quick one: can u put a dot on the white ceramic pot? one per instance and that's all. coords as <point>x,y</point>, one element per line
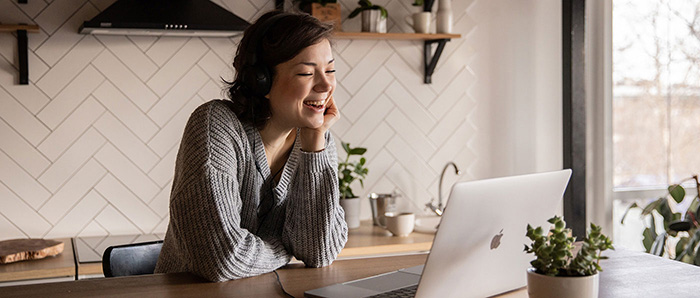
<point>543,286</point>
<point>372,21</point>
<point>444,16</point>
<point>352,212</point>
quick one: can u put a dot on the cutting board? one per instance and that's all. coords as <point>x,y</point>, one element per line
<point>28,249</point>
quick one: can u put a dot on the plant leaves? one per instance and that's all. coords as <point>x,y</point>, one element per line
<point>653,205</point>
<point>634,205</point>
<point>353,14</point>
<point>677,192</point>
<point>658,247</point>
<point>357,151</point>
<point>648,239</point>
<point>680,247</point>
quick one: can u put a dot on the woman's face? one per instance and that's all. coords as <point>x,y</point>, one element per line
<point>302,86</point>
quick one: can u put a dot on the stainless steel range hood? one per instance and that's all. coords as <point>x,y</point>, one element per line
<point>165,18</point>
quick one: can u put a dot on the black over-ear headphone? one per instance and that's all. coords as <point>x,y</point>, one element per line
<point>257,77</point>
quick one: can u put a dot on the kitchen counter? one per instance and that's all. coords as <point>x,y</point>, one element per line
<point>86,259</point>
<point>365,241</point>
<point>58,267</point>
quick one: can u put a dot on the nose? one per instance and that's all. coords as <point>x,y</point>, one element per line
<point>324,84</point>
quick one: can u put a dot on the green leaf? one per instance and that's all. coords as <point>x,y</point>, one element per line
<point>362,161</point>
<point>677,192</point>
<point>634,205</point>
<point>648,239</point>
<point>657,248</point>
<point>346,147</point>
<point>384,13</point>
<point>653,205</point>
<point>680,247</point>
<point>353,14</point>
<point>357,151</point>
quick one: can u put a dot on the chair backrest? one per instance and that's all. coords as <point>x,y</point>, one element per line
<point>131,259</point>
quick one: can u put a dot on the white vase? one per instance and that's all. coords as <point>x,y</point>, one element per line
<point>444,16</point>
<point>543,286</point>
<point>352,212</point>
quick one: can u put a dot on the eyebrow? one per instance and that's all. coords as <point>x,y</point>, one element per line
<point>314,64</point>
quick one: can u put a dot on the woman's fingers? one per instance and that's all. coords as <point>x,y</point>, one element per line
<point>331,115</point>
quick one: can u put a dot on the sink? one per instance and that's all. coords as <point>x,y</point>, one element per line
<point>427,224</point>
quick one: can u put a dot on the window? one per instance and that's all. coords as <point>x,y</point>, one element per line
<point>655,105</point>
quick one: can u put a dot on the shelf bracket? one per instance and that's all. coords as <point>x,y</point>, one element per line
<point>22,52</point>
<point>429,62</point>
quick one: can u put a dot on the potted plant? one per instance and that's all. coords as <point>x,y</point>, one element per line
<point>327,11</point>
<point>373,16</point>
<point>556,271</point>
<point>680,239</point>
<point>348,172</point>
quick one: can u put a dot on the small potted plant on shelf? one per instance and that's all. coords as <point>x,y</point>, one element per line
<point>556,271</point>
<point>327,11</point>
<point>373,16</point>
<point>681,235</point>
<point>348,172</point>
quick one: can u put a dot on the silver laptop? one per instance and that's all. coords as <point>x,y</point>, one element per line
<point>478,249</point>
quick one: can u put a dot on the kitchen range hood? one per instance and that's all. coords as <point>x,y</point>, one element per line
<point>165,18</point>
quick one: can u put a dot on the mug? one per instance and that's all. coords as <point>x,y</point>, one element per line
<point>420,21</point>
<point>400,224</point>
<point>381,204</point>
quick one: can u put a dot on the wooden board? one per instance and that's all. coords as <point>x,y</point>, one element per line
<point>28,249</point>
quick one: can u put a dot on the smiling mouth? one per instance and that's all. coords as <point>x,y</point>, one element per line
<point>315,104</point>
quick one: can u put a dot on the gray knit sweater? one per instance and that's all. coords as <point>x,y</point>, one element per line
<point>229,220</point>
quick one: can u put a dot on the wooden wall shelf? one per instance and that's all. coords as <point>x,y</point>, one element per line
<point>22,50</point>
<point>13,28</point>
<point>395,36</point>
<point>429,60</point>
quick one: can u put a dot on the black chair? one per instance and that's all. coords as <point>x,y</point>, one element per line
<point>131,259</point>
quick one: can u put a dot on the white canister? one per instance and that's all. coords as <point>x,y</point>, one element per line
<point>444,16</point>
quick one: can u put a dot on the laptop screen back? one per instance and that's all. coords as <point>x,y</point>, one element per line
<point>478,249</point>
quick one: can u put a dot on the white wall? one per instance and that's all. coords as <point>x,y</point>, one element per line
<point>88,147</point>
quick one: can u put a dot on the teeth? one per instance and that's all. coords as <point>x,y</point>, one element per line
<point>315,103</point>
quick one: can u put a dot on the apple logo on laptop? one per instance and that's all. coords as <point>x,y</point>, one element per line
<point>496,241</point>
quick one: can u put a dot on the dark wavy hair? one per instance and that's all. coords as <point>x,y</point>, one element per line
<point>285,39</point>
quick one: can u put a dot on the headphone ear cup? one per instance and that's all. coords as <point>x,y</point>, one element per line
<point>263,80</point>
<point>257,79</point>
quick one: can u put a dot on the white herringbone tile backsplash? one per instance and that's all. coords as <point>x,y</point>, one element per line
<point>88,147</point>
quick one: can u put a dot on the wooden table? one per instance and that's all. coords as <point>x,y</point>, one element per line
<point>627,274</point>
<point>60,266</point>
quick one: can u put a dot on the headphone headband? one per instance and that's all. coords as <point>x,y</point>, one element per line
<point>257,76</point>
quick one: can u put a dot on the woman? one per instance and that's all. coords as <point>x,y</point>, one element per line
<point>256,179</point>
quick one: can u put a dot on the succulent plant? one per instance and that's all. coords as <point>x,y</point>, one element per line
<point>555,255</point>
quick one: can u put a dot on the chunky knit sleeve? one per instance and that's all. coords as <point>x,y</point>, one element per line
<point>315,230</point>
<point>205,206</point>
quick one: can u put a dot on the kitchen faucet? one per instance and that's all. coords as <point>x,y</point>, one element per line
<point>440,208</point>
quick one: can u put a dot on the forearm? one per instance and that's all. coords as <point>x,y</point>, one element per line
<point>315,230</point>
<point>211,238</point>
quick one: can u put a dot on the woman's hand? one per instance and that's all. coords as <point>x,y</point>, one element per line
<point>313,139</point>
